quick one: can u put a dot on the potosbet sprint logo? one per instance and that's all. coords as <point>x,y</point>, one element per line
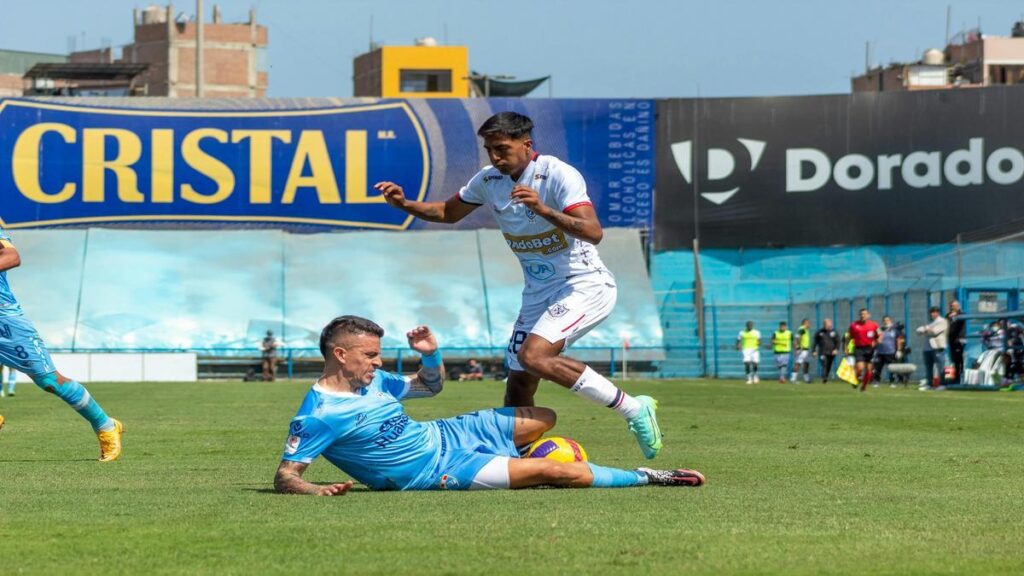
<point>546,243</point>
<point>721,165</point>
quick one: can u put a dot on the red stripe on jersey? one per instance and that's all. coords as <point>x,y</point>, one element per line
<point>572,207</point>
<point>574,323</point>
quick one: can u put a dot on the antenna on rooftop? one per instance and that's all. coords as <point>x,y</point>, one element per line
<point>949,18</point>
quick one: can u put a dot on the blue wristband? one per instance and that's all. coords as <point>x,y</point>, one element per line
<point>431,360</point>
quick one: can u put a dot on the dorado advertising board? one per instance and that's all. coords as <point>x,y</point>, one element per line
<point>867,168</point>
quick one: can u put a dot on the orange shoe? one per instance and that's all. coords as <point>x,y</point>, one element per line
<point>110,442</point>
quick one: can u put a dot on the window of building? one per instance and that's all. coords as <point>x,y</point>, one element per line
<point>425,81</point>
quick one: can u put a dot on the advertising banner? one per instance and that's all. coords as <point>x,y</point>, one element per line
<point>307,168</point>
<point>867,168</point>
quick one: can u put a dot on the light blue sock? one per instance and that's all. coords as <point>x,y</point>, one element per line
<point>78,398</point>
<point>12,379</point>
<point>616,477</point>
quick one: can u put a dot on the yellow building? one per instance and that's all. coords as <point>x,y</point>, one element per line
<point>425,70</point>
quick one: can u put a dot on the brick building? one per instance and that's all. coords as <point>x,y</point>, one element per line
<point>14,64</point>
<point>970,60</point>
<point>234,55</point>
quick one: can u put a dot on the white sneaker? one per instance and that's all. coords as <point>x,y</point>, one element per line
<point>756,379</point>
<point>750,380</point>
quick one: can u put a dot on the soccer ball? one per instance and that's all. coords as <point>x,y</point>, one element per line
<point>558,449</point>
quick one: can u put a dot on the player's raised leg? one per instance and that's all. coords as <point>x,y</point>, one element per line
<point>543,359</point>
<point>520,388</point>
<point>22,348</point>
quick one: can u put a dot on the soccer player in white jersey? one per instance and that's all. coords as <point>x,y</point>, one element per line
<point>543,210</point>
<point>353,416</point>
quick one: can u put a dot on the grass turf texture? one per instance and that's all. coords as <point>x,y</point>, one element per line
<point>810,479</point>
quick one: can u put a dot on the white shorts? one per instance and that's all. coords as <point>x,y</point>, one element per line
<point>782,359</point>
<point>752,355</point>
<point>563,314</point>
<point>802,356</point>
<point>493,476</point>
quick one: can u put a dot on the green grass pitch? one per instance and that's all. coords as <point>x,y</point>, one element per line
<point>808,479</point>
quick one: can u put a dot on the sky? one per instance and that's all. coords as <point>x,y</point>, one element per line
<point>591,48</point>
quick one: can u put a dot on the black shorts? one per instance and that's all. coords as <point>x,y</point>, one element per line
<point>863,353</point>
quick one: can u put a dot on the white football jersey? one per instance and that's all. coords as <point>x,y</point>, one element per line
<point>547,254</point>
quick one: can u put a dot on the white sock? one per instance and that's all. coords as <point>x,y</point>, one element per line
<point>600,390</point>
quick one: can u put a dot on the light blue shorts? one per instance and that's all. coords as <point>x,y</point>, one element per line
<point>469,442</point>
<point>21,347</point>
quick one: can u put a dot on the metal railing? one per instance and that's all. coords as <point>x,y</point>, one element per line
<point>618,358</point>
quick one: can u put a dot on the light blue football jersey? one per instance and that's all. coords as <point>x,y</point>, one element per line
<point>8,304</point>
<point>367,434</point>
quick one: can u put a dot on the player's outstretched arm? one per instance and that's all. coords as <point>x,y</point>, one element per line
<point>448,212</point>
<point>9,257</point>
<point>429,380</point>
<point>288,480</point>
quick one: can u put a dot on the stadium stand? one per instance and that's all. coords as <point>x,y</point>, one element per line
<point>217,292</point>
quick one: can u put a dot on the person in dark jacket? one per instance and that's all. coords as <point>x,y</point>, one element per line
<point>826,348</point>
<point>957,338</point>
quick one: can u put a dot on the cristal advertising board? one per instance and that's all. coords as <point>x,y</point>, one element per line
<point>888,168</point>
<point>307,168</point>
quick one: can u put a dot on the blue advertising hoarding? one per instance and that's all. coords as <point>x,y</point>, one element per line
<point>309,168</point>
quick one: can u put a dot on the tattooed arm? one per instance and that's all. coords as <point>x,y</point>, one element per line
<point>288,480</point>
<point>429,381</point>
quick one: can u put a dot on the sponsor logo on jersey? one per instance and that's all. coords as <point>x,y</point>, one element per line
<point>391,430</point>
<point>540,176</point>
<point>530,214</point>
<point>448,481</point>
<point>545,243</point>
<point>538,269</point>
<point>491,177</point>
<point>558,310</point>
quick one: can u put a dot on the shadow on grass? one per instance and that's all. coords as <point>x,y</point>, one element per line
<point>265,490</point>
<point>3,461</point>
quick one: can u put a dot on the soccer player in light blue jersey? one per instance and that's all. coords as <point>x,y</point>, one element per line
<point>354,418</point>
<point>21,348</point>
<point>11,379</point>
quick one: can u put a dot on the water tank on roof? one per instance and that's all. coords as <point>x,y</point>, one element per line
<point>933,57</point>
<point>154,14</point>
<point>1018,29</point>
<point>428,41</point>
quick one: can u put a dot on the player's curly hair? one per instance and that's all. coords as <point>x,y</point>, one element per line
<point>347,325</point>
<point>511,124</point>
